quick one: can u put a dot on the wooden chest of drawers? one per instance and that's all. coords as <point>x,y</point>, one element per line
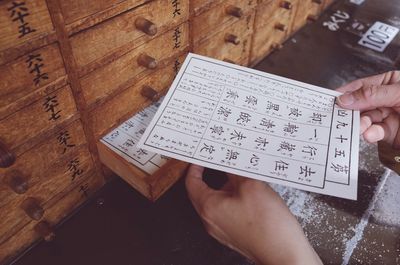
<point>71,71</point>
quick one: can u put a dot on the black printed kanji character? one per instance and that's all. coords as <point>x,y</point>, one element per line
<point>141,152</point>
<point>40,77</point>
<point>176,37</point>
<point>177,10</point>
<point>24,29</point>
<point>35,64</point>
<point>254,160</point>
<point>177,64</point>
<point>50,105</point>
<point>341,138</point>
<point>129,143</point>
<point>295,112</point>
<point>114,135</point>
<point>217,129</point>
<point>18,11</point>
<point>287,146</point>
<point>243,118</point>
<point>232,94</point>
<point>317,117</point>
<point>339,152</point>
<point>281,165</point>
<point>232,155</point>
<point>63,139</point>
<point>251,100</point>
<point>129,124</point>
<point>267,123</point>
<point>341,124</point>
<point>207,148</point>
<point>342,113</point>
<point>340,168</point>
<point>141,131</point>
<point>143,114</point>
<point>311,150</point>
<point>237,135</point>
<point>306,171</point>
<point>290,128</point>
<point>272,106</point>
<point>224,111</point>
<point>73,167</point>
<point>261,141</point>
<point>84,189</point>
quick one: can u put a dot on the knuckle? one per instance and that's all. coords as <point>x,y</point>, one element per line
<point>369,92</point>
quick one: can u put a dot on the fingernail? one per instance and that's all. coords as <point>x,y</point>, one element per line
<point>346,99</point>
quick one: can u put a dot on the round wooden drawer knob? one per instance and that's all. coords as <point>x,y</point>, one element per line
<point>312,18</point>
<point>146,26</point>
<point>286,5</point>
<point>17,183</point>
<point>7,158</point>
<point>149,93</point>
<point>32,208</point>
<point>280,27</point>
<point>276,46</point>
<point>44,229</point>
<point>232,39</point>
<point>234,11</point>
<point>147,61</point>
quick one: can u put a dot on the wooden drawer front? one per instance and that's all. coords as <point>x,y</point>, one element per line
<point>225,13</point>
<point>121,107</point>
<point>218,46</point>
<point>103,81</point>
<point>55,212</point>
<point>32,166</point>
<point>30,73</point>
<point>278,9</point>
<point>151,186</point>
<point>37,118</point>
<point>199,6</point>
<point>78,9</point>
<point>63,174</point>
<point>307,11</point>
<point>23,21</point>
<point>112,38</point>
<point>271,34</point>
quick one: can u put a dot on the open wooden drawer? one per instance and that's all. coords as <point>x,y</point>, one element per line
<point>129,113</point>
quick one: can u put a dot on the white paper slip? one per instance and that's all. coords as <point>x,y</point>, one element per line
<point>257,125</point>
<point>123,141</point>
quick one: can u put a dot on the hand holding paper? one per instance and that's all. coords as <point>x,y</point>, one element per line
<point>257,125</point>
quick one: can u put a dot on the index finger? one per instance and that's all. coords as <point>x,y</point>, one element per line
<point>387,78</point>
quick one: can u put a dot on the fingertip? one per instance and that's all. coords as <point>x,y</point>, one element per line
<point>374,133</point>
<point>195,171</point>
<point>365,123</point>
<point>345,100</point>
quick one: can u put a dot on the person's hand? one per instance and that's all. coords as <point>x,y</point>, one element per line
<point>249,217</point>
<point>378,99</point>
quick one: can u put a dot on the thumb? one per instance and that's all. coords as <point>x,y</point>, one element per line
<point>197,189</point>
<point>370,97</point>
